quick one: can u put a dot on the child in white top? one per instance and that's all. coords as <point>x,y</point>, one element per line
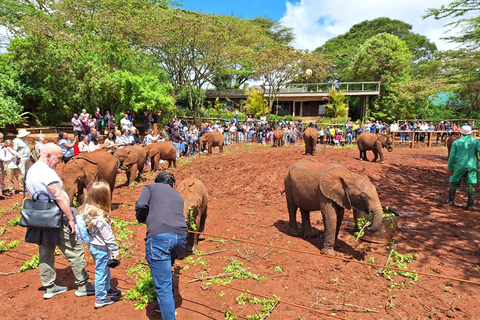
<point>96,212</point>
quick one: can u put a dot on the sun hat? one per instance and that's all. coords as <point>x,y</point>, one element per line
<point>466,130</point>
<point>22,133</point>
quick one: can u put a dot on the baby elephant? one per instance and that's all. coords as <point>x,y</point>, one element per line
<point>195,203</point>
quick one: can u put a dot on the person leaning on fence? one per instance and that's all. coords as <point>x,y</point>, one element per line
<point>160,206</point>
<point>463,165</point>
<point>42,178</point>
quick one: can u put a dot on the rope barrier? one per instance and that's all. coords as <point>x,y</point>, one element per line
<point>265,297</point>
<point>340,258</point>
<point>337,258</point>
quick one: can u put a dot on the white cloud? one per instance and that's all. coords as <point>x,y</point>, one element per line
<point>316,21</point>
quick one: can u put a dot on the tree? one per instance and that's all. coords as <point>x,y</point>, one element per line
<point>11,90</point>
<point>383,58</point>
<point>278,64</point>
<point>198,49</point>
<point>275,30</point>
<point>337,106</point>
<point>343,48</point>
<point>69,52</point>
<point>255,103</point>
<point>470,26</point>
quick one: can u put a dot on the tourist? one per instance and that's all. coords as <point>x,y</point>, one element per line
<point>119,140</point>
<point>150,138</point>
<point>20,145</point>
<point>136,137</point>
<point>96,212</point>
<point>94,144</point>
<point>43,178</point>
<point>127,138</point>
<point>67,146</point>
<point>98,120</point>
<point>125,123</point>
<point>39,143</point>
<point>77,125</point>
<point>160,206</point>
<point>109,143</point>
<point>2,171</point>
<point>10,158</point>
<point>83,144</point>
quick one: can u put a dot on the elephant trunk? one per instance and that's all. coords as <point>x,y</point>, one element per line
<point>377,219</point>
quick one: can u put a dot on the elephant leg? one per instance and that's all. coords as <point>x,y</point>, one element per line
<point>340,213</point>
<point>380,152</point>
<point>201,226</point>
<point>329,215</point>
<point>190,242</point>
<point>169,163</point>
<point>128,173</point>
<point>375,153</point>
<point>307,230</point>
<point>174,163</point>
<point>221,148</point>
<point>292,214</point>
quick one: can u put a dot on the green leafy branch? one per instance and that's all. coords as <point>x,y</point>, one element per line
<point>5,247</point>
<point>144,291</point>
<point>30,264</point>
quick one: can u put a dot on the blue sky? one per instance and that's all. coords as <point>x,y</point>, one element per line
<point>246,9</point>
<point>316,21</point>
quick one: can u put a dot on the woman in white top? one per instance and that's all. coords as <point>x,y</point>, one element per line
<point>118,139</point>
<point>149,139</point>
<point>83,145</point>
<point>94,145</point>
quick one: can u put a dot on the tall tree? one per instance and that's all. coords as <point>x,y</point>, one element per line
<point>383,58</point>
<point>467,15</point>
<point>196,49</point>
<point>277,65</point>
<point>343,48</point>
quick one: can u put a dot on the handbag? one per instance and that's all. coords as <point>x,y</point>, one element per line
<point>41,214</point>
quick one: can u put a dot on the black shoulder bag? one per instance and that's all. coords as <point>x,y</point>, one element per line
<point>40,214</point>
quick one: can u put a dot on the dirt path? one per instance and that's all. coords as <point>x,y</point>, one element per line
<point>244,186</point>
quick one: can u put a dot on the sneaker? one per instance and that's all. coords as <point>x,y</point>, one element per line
<point>53,291</point>
<point>115,292</point>
<point>157,309</point>
<point>106,302</point>
<point>87,289</point>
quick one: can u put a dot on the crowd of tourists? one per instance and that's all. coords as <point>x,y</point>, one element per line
<point>98,131</point>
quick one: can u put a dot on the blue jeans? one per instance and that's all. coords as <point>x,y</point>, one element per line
<point>102,272</point>
<point>160,252</point>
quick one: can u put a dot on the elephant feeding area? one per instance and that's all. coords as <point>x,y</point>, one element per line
<point>244,186</point>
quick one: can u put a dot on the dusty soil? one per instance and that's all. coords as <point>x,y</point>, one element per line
<point>244,203</point>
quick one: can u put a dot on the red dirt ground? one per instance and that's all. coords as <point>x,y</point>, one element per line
<point>244,186</point>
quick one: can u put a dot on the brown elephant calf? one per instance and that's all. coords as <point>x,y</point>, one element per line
<point>132,160</point>
<point>161,151</point>
<point>278,138</point>
<point>195,204</point>
<point>212,139</point>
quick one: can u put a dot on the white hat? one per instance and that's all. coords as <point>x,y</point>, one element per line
<point>466,130</point>
<point>22,133</point>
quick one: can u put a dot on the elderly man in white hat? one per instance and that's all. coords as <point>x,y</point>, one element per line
<point>20,144</point>
<point>463,165</point>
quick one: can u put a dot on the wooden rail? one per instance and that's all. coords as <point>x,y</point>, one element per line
<point>428,136</point>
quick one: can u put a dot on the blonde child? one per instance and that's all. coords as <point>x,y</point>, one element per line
<point>96,213</point>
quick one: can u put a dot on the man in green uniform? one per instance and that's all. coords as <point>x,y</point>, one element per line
<point>463,164</point>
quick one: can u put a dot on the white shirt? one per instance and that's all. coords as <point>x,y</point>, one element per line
<point>394,127</point>
<point>149,139</point>
<point>126,124</point>
<point>92,146</point>
<point>21,146</point>
<point>39,177</point>
<point>9,157</point>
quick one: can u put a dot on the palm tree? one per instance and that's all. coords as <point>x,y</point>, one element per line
<point>337,106</point>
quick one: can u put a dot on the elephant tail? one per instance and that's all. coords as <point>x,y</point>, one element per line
<point>281,193</point>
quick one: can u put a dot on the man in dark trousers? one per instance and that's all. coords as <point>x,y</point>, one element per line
<point>463,165</point>
<point>161,207</point>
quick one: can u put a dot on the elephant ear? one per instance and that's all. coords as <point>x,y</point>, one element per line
<point>332,184</point>
<point>148,150</point>
<point>91,173</point>
<point>131,158</point>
